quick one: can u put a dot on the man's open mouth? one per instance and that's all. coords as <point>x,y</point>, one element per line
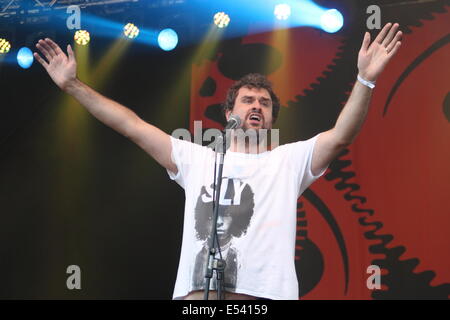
<point>255,117</point>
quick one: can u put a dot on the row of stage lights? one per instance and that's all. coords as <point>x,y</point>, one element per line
<point>167,40</point>
<point>331,21</point>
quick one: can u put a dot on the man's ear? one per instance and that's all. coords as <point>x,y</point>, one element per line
<point>227,114</point>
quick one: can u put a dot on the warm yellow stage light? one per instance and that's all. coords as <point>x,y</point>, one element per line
<point>4,46</point>
<point>82,37</point>
<point>130,31</point>
<point>221,19</point>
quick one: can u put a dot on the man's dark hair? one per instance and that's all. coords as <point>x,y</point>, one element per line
<point>252,80</point>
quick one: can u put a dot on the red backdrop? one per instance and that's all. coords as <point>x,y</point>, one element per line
<point>385,200</point>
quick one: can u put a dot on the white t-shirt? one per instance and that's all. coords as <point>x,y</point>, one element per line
<point>257,216</point>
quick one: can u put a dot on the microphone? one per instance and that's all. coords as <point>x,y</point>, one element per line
<point>233,123</point>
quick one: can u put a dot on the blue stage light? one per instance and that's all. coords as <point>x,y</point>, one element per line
<point>331,21</point>
<point>25,57</point>
<point>167,39</point>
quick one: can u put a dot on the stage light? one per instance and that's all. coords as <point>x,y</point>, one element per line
<point>4,46</point>
<point>282,11</point>
<point>221,19</point>
<point>331,21</point>
<point>25,57</point>
<point>130,31</point>
<point>167,39</point>
<point>82,37</point>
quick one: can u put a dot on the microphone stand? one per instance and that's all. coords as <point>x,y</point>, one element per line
<point>213,263</point>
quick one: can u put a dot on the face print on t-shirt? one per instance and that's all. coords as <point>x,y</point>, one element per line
<point>236,207</point>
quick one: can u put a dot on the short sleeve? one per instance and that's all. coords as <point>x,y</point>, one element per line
<point>301,153</point>
<point>186,156</point>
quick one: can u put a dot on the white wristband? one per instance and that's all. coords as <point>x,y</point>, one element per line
<point>365,82</point>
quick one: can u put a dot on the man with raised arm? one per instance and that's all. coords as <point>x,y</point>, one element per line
<point>257,207</point>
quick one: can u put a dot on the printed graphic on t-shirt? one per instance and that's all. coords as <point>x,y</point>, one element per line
<point>236,206</point>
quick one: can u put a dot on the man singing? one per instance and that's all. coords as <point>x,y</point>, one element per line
<point>257,207</point>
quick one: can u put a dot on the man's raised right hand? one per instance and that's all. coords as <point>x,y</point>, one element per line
<point>62,68</point>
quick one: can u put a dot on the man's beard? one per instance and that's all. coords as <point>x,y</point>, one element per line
<point>245,126</point>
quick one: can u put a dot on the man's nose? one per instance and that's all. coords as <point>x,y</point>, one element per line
<point>256,107</point>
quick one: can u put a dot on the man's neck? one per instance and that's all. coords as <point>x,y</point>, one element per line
<point>251,146</point>
<point>244,148</point>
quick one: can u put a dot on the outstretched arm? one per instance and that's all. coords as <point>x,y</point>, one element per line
<point>372,59</point>
<point>62,69</point>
